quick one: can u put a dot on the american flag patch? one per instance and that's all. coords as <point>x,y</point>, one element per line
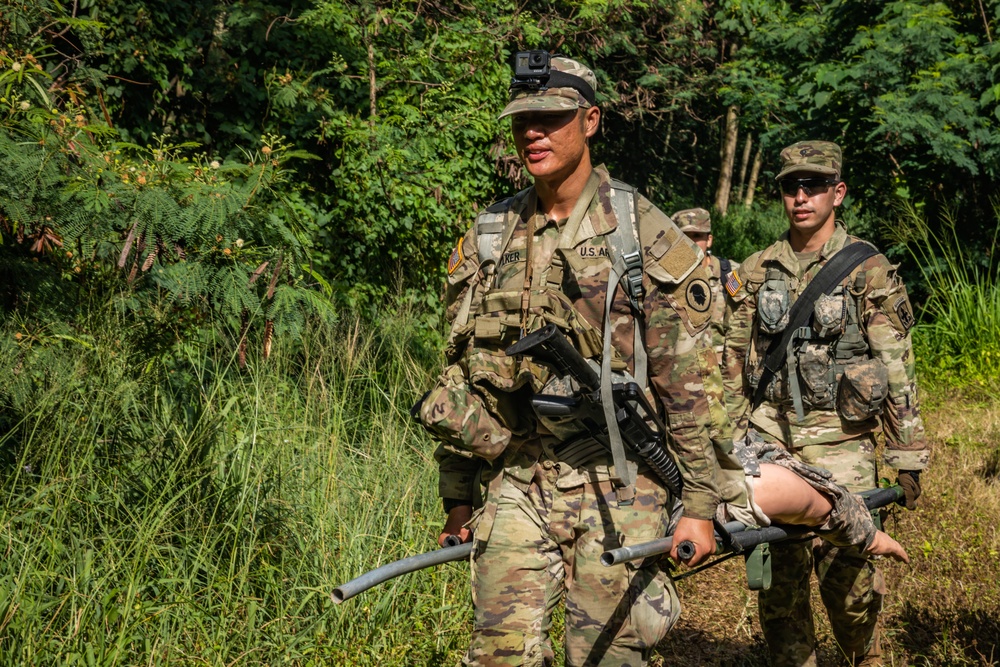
<point>733,283</point>
<point>456,258</point>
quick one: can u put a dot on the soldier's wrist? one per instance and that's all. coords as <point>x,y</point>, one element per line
<point>451,503</point>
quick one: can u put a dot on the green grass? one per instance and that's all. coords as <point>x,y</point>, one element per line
<point>959,332</point>
<point>190,513</point>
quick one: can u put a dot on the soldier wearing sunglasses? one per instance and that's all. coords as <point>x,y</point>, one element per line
<point>841,378</point>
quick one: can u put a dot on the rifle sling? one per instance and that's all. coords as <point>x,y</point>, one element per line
<point>832,273</point>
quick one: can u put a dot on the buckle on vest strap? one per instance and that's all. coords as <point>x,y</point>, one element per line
<point>633,277</point>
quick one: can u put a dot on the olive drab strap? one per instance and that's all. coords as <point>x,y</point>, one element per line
<point>832,273</point>
<point>625,248</point>
<point>493,234</point>
<point>626,269</point>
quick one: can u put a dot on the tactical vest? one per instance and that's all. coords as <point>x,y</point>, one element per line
<point>490,320</point>
<point>829,365</point>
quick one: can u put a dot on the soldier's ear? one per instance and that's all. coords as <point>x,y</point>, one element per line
<point>591,121</point>
<point>840,191</point>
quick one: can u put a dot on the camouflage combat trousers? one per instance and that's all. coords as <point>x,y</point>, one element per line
<point>850,585</point>
<point>544,542</point>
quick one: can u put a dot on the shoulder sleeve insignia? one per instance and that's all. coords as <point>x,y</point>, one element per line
<point>699,295</point>
<point>733,283</point>
<point>456,258</point>
<point>903,313</point>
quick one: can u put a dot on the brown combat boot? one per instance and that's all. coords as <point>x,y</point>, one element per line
<point>873,658</point>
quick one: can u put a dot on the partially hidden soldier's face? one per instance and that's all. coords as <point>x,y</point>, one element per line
<point>552,144</point>
<point>811,200</point>
<point>702,239</point>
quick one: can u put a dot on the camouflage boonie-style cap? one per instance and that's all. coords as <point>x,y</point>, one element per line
<point>819,157</point>
<point>693,220</point>
<point>553,99</point>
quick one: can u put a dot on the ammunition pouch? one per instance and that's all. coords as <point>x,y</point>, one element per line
<point>862,390</point>
<point>773,306</point>
<point>829,315</point>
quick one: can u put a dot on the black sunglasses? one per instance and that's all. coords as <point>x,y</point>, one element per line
<point>811,186</point>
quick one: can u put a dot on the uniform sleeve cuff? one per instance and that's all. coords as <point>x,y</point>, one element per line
<point>451,503</point>
<point>907,459</point>
<point>700,505</point>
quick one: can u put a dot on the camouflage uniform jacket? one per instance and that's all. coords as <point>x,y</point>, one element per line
<point>720,304</point>
<point>682,367</point>
<point>885,321</point>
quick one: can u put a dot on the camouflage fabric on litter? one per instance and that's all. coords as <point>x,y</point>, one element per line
<point>850,523</point>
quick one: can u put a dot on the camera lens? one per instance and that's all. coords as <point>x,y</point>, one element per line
<point>537,59</point>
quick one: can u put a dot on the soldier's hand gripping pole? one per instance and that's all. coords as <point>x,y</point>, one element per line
<point>633,412</point>
<point>741,537</point>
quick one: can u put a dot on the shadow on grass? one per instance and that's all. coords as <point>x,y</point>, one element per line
<point>694,648</point>
<point>950,637</point>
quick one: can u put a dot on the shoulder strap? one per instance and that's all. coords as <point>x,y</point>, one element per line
<point>725,266</point>
<point>625,241</point>
<point>626,270</point>
<point>491,226</point>
<point>832,273</point>
<point>493,233</point>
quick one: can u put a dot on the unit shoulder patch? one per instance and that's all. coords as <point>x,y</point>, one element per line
<point>699,295</point>
<point>456,258</point>
<point>904,314</point>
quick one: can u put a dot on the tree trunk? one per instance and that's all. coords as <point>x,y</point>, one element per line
<point>743,166</point>
<point>372,109</point>
<point>758,160</point>
<point>728,158</point>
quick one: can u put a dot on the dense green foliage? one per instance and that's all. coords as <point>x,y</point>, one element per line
<point>397,101</point>
<point>960,338</point>
<point>182,192</point>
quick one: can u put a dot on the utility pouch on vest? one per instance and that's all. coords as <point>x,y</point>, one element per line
<point>829,315</point>
<point>818,375</point>
<point>862,391</point>
<point>456,414</point>
<point>773,304</point>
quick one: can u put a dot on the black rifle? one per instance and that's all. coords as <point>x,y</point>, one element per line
<point>633,412</point>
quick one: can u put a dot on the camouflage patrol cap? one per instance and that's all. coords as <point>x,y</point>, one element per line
<point>819,157</point>
<point>553,99</point>
<point>693,220</point>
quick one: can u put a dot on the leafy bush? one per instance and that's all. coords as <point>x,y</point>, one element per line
<point>176,238</point>
<point>958,337</point>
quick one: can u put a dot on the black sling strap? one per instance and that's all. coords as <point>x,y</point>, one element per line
<point>824,282</point>
<point>725,266</point>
